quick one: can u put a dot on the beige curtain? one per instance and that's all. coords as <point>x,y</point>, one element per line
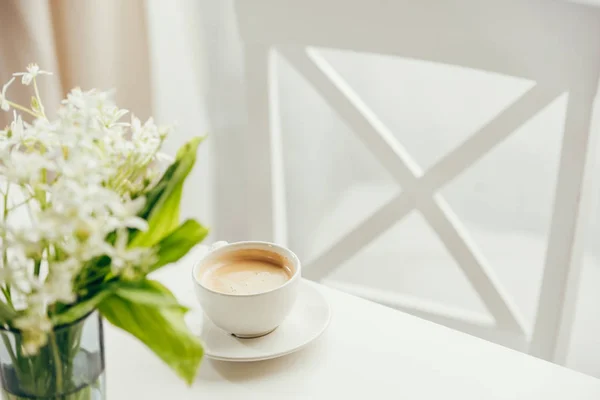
<point>86,43</point>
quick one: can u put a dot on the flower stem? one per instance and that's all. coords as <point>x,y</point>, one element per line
<point>39,99</point>
<point>36,267</point>
<point>6,287</point>
<point>15,206</point>
<point>57,362</point>
<point>5,206</point>
<point>20,107</point>
<point>11,354</point>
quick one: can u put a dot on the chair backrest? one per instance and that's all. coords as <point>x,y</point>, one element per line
<point>554,43</point>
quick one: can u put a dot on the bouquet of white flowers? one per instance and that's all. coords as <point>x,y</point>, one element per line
<point>86,212</point>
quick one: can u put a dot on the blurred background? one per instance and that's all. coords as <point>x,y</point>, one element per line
<point>182,62</point>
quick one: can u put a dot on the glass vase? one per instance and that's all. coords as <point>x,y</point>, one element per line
<point>70,366</point>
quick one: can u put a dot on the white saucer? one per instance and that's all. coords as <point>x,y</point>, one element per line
<point>307,321</point>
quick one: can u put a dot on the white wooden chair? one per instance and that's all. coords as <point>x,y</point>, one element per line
<point>555,44</point>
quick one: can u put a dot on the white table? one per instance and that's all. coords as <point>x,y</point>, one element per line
<point>368,350</point>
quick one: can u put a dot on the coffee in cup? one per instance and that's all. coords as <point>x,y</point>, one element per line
<point>247,288</point>
<point>244,272</point>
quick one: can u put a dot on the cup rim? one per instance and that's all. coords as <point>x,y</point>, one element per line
<point>293,256</point>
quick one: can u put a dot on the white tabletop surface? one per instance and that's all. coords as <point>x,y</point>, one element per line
<point>368,350</point>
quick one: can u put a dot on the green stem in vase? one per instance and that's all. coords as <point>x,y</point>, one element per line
<point>57,362</point>
<point>10,352</point>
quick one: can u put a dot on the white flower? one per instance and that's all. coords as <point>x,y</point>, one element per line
<point>15,270</point>
<point>25,168</point>
<point>127,259</point>
<point>17,128</point>
<point>26,242</point>
<point>147,138</point>
<point>3,101</point>
<point>34,328</point>
<point>79,181</point>
<point>124,215</point>
<point>32,71</point>
<point>59,282</point>
<point>84,250</point>
<point>111,115</point>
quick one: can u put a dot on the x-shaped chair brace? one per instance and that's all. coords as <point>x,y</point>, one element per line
<point>419,189</point>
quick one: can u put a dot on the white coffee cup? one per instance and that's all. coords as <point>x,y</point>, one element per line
<point>247,315</point>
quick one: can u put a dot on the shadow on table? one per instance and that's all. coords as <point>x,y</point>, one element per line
<point>247,371</point>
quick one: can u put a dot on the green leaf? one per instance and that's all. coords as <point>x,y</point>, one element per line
<point>162,329</point>
<point>179,242</point>
<point>6,313</point>
<point>162,202</point>
<point>79,310</point>
<point>148,292</point>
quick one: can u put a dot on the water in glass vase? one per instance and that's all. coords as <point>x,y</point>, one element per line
<point>69,367</point>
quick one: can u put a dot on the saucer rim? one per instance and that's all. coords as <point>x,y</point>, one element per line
<point>285,352</point>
